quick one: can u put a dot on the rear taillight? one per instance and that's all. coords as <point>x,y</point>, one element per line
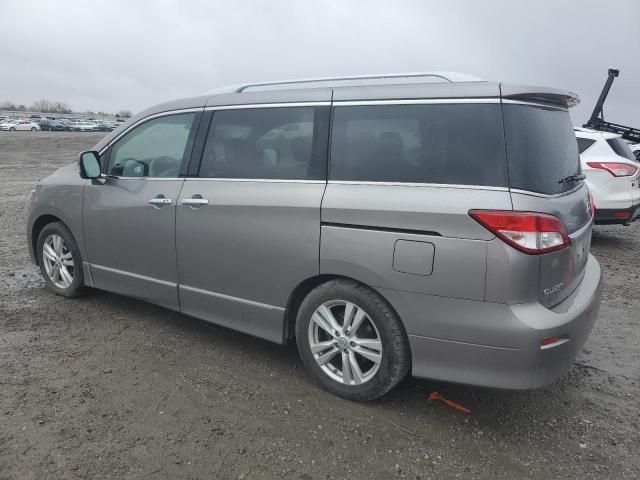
<point>530,232</point>
<point>617,169</point>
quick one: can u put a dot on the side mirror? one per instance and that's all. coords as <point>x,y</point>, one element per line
<point>89,164</point>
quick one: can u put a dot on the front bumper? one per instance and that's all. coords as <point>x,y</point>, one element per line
<point>498,345</point>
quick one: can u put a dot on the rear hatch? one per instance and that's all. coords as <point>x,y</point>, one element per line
<point>544,176</point>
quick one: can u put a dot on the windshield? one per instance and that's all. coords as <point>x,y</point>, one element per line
<point>621,148</point>
<point>542,149</point>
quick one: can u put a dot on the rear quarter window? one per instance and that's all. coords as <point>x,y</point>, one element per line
<point>621,148</point>
<point>584,144</point>
<point>456,144</point>
<point>541,148</point>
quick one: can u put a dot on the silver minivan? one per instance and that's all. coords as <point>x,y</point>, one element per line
<point>388,224</point>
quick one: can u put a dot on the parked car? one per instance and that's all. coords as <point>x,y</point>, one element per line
<point>7,123</point>
<point>411,247</point>
<point>84,126</point>
<point>103,126</point>
<point>613,176</point>
<point>21,124</point>
<point>64,124</point>
<point>48,124</point>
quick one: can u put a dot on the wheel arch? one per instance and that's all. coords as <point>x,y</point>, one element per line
<point>41,222</point>
<point>303,289</point>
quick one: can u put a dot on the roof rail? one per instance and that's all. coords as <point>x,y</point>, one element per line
<point>450,77</point>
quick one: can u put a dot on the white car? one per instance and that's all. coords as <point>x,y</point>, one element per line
<point>84,126</point>
<point>13,125</point>
<point>613,176</point>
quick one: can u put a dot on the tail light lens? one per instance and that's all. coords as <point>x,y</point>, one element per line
<point>530,232</point>
<point>614,168</point>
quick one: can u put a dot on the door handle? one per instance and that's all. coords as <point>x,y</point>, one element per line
<point>195,201</point>
<point>160,201</point>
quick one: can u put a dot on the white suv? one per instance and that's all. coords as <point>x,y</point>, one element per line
<point>612,176</point>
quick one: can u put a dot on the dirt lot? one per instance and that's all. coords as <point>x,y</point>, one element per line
<point>109,387</point>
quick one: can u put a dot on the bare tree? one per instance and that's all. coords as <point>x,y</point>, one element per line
<point>61,107</point>
<point>48,106</point>
<point>124,113</point>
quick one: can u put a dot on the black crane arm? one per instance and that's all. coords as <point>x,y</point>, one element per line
<point>597,121</point>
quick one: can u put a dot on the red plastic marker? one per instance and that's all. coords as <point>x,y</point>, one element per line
<point>457,406</point>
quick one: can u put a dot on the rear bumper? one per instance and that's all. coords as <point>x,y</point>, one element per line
<point>497,345</point>
<point>617,216</point>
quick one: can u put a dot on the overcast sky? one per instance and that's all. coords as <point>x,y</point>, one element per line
<point>120,54</point>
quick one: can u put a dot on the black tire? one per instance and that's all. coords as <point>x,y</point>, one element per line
<point>76,288</point>
<point>33,129</point>
<point>396,356</point>
<point>12,129</point>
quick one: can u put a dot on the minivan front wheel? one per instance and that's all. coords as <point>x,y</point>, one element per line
<point>351,340</point>
<point>60,260</point>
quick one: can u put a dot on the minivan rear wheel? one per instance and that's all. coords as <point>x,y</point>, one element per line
<point>351,341</point>
<point>60,260</point>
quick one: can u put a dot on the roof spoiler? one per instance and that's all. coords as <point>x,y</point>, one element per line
<point>551,96</point>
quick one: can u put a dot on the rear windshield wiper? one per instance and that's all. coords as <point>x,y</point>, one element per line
<point>573,178</point>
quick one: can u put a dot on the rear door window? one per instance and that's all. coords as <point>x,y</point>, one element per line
<point>264,143</point>
<point>541,148</point>
<point>455,144</point>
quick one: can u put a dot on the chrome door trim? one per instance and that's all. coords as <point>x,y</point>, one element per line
<point>146,119</point>
<point>232,298</point>
<point>408,184</point>
<point>133,275</point>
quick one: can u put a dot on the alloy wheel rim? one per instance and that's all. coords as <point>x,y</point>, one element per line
<point>345,342</point>
<point>58,261</point>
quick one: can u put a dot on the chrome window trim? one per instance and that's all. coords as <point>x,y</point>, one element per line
<point>155,179</point>
<point>144,120</point>
<point>533,104</point>
<point>410,184</point>
<point>416,101</point>
<point>251,106</point>
<point>548,195</point>
<point>254,180</point>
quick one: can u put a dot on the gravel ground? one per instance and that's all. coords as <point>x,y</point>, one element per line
<point>110,387</point>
